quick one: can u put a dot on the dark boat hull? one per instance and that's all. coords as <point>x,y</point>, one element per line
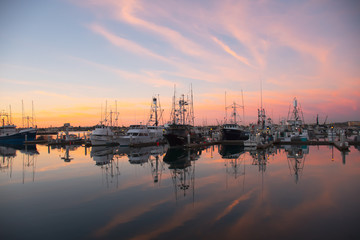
<point>231,151</point>
<point>234,134</point>
<point>18,138</point>
<point>177,135</point>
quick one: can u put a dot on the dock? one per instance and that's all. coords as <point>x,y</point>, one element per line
<point>341,146</point>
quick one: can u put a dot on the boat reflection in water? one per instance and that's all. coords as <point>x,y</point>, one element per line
<point>182,168</point>
<point>143,154</point>
<point>234,159</point>
<point>64,151</point>
<point>103,155</point>
<point>107,158</point>
<point>91,200</point>
<point>261,156</point>
<point>7,155</point>
<point>9,152</point>
<point>296,159</point>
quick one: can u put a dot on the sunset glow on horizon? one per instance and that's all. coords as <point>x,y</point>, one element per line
<point>71,57</point>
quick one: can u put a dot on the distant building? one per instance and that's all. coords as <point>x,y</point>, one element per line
<point>354,123</point>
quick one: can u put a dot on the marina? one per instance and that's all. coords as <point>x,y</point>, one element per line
<point>183,180</point>
<point>104,192</point>
<point>143,120</point>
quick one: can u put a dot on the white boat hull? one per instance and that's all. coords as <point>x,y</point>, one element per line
<point>101,140</point>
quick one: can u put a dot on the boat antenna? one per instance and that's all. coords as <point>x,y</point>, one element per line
<point>225,109</point>
<point>261,94</point>
<point>110,115</point>
<point>243,106</point>
<point>288,117</point>
<point>105,117</point>
<point>173,107</point>
<point>116,114</point>
<point>101,119</point>
<point>10,114</point>
<point>32,113</point>
<point>155,111</point>
<point>160,111</point>
<point>302,114</point>
<point>22,107</point>
<point>192,107</point>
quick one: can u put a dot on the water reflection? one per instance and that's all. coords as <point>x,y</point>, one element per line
<point>107,158</point>
<point>234,161</point>
<point>143,154</point>
<point>7,155</point>
<point>260,158</point>
<point>296,159</point>
<point>182,169</point>
<point>110,192</point>
<point>232,155</point>
<point>28,153</point>
<point>103,155</point>
<point>65,151</point>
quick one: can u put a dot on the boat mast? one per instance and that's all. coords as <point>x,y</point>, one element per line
<point>173,110</point>
<point>32,113</point>
<point>110,115</point>
<point>225,109</point>
<point>234,112</point>
<point>10,115</point>
<point>116,114</point>
<point>261,93</point>
<point>192,114</point>
<point>234,106</point>
<point>261,111</point>
<point>22,106</point>
<point>243,106</point>
<point>155,110</point>
<point>156,113</point>
<point>101,118</point>
<point>182,109</point>
<point>105,117</point>
<point>160,110</point>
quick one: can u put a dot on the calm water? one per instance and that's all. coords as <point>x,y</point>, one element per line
<point>154,193</point>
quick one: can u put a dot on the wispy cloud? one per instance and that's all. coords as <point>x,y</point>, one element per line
<point>231,52</point>
<point>124,43</point>
<point>127,11</point>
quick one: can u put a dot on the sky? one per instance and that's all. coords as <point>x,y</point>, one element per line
<point>68,59</point>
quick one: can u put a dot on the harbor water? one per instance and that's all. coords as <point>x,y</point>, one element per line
<point>220,192</point>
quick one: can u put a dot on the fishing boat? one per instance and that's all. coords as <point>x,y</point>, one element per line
<point>294,131</point>
<point>155,129</point>
<point>181,131</point>
<point>181,134</point>
<point>149,133</point>
<point>103,133</point>
<point>10,134</point>
<point>233,131</point>
<point>137,134</point>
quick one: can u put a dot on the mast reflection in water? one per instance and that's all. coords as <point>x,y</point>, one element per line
<point>182,168</point>
<point>66,193</point>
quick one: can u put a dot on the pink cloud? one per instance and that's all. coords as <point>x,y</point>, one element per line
<point>231,52</point>
<point>124,43</point>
